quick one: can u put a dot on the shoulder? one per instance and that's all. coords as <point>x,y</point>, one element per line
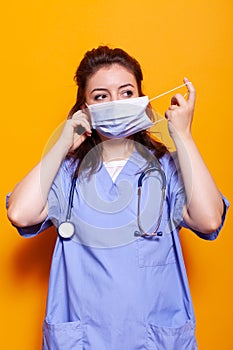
<point>68,167</point>
<point>65,173</point>
<point>171,168</point>
<point>169,161</point>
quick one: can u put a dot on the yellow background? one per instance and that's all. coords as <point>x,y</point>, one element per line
<point>42,43</point>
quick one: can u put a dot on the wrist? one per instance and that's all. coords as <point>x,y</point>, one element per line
<point>181,139</point>
<point>61,148</point>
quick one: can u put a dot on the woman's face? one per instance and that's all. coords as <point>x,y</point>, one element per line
<point>111,83</point>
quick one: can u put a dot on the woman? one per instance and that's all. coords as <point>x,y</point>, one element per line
<point>118,279</point>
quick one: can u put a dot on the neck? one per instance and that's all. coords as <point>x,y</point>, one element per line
<point>117,149</point>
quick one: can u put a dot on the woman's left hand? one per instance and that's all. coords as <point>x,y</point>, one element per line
<point>180,113</point>
<point>204,206</point>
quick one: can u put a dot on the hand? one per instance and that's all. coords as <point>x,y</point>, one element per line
<point>180,113</point>
<point>76,130</point>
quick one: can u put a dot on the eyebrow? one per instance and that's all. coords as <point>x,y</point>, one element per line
<point>120,87</point>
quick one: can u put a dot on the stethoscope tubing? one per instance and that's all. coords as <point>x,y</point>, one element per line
<point>141,232</point>
<point>71,199</point>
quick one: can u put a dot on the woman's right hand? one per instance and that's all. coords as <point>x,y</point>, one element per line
<point>76,130</point>
<point>28,201</point>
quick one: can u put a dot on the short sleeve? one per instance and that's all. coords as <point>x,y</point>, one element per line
<point>177,200</point>
<point>57,202</point>
<point>31,231</point>
<point>211,236</point>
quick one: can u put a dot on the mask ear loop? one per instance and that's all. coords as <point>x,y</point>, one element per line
<point>168,92</point>
<point>163,94</point>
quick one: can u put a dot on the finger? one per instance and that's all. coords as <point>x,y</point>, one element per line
<point>167,114</point>
<point>79,115</point>
<point>191,91</point>
<point>178,100</point>
<point>81,126</point>
<point>172,107</point>
<point>83,123</point>
<point>77,142</point>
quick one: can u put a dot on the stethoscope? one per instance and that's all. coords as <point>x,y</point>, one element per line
<point>141,232</point>
<point>67,229</point>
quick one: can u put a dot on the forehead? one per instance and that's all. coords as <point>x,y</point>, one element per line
<point>111,76</point>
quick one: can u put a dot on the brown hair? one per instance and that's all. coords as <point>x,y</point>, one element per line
<point>92,61</point>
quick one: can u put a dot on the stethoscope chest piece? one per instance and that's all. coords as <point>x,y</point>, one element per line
<point>66,229</point>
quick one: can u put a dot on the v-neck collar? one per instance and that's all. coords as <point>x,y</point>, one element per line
<point>134,164</point>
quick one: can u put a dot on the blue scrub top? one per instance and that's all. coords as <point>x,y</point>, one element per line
<point>108,289</point>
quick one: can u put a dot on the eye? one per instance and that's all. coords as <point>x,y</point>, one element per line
<point>127,93</point>
<point>100,97</point>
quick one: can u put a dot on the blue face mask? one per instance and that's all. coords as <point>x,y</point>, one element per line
<point>120,118</point>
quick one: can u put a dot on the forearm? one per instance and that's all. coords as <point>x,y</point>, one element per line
<point>28,201</point>
<point>204,207</point>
